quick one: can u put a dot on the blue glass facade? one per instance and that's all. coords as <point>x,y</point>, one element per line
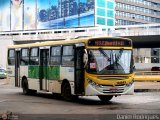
<point>105,13</point>
<point>54,14</point>
<point>101,12</point>
<point>101,3</point>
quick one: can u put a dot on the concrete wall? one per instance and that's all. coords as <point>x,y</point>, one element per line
<point>3,52</point>
<point>145,66</point>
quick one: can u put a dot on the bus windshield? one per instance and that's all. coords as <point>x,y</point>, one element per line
<point>104,61</point>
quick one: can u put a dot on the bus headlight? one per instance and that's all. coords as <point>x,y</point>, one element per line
<point>93,83</point>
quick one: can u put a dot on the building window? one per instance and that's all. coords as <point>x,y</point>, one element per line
<point>101,12</point>
<point>154,60</point>
<point>110,13</point>
<point>101,3</point>
<point>101,21</point>
<point>110,5</point>
<point>110,22</point>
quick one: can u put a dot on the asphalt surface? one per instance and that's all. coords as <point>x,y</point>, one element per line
<point>48,107</point>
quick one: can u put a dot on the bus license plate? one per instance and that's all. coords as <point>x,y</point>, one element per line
<point>114,89</point>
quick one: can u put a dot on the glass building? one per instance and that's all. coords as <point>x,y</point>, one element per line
<point>134,12</point>
<point>104,12</point>
<point>55,14</point>
<point>131,12</point>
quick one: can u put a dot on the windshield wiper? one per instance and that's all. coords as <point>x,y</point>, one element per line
<point>104,54</point>
<point>115,58</point>
<point>118,56</point>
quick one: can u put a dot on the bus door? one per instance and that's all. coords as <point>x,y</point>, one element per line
<point>44,58</point>
<point>79,70</point>
<point>17,68</point>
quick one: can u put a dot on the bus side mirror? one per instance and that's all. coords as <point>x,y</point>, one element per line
<point>85,58</point>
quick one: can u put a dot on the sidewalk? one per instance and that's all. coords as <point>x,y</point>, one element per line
<point>3,81</point>
<point>147,86</point>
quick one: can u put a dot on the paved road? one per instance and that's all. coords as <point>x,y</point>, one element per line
<point>12,99</point>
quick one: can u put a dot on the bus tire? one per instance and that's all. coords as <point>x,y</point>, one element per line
<point>66,91</point>
<point>105,98</point>
<point>26,91</point>
<point>32,92</point>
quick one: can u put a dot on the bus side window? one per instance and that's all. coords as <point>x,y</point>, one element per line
<point>34,56</point>
<point>24,56</point>
<point>68,56</point>
<point>55,54</point>
<point>11,57</point>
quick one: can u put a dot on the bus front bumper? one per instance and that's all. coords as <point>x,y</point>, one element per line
<point>92,90</point>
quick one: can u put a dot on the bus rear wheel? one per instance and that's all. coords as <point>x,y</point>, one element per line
<point>27,91</point>
<point>25,87</point>
<point>105,98</point>
<point>66,92</point>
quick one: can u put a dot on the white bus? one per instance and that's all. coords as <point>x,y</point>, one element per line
<point>101,66</point>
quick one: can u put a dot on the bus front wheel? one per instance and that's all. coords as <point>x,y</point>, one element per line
<point>105,98</point>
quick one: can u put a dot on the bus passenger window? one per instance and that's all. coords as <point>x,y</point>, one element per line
<point>55,58</point>
<point>24,56</point>
<point>34,56</point>
<point>11,57</point>
<point>68,56</point>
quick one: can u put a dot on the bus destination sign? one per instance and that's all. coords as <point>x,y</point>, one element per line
<point>109,42</point>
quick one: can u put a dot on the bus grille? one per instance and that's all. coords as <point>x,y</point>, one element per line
<point>115,89</point>
<point>112,78</point>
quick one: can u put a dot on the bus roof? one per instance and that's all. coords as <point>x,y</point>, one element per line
<point>59,42</point>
